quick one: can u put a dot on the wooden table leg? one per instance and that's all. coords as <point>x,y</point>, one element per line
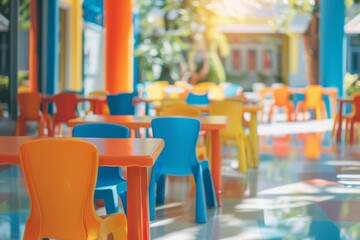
<point>216,163</point>
<point>137,203</point>
<point>339,126</point>
<point>254,141</point>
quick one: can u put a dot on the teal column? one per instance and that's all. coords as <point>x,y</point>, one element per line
<point>52,46</point>
<point>332,20</point>
<point>136,23</point>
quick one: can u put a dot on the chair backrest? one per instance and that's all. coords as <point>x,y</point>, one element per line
<point>98,93</point>
<point>200,99</point>
<point>234,112</point>
<point>356,105</point>
<point>214,91</point>
<point>156,90</point>
<point>281,95</point>
<point>171,101</point>
<point>72,91</point>
<point>103,130</point>
<point>313,95</point>
<point>60,175</point>
<point>121,104</point>
<point>181,110</point>
<point>180,135</point>
<point>232,89</point>
<point>65,106</point>
<point>29,105</point>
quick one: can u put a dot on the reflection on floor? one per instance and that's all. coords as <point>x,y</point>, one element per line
<point>295,194</point>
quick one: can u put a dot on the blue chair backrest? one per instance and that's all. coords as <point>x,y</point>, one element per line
<point>121,104</point>
<point>180,136</point>
<point>232,90</point>
<point>103,130</point>
<point>197,99</point>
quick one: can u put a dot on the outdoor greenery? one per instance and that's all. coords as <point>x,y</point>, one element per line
<point>180,41</point>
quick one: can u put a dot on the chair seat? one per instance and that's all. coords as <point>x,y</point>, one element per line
<point>110,184</point>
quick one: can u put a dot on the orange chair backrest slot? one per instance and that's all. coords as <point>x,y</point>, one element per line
<point>313,96</point>
<point>65,106</point>
<point>281,96</point>
<point>29,105</point>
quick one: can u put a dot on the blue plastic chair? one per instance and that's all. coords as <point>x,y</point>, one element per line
<point>232,90</point>
<point>197,99</point>
<point>178,158</point>
<point>110,183</point>
<point>121,104</point>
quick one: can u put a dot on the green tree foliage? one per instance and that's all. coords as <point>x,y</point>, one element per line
<point>177,36</point>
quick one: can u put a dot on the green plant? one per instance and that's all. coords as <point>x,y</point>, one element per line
<point>351,84</point>
<point>173,34</point>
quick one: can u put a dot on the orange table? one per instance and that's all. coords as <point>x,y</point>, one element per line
<point>339,116</point>
<point>97,101</point>
<point>212,124</point>
<point>135,154</point>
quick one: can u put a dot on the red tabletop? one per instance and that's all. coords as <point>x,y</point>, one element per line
<point>135,154</point>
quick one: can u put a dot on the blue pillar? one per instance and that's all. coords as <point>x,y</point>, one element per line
<point>52,46</point>
<point>332,20</point>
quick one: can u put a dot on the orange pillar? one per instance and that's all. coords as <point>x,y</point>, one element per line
<point>33,56</point>
<point>119,46</point>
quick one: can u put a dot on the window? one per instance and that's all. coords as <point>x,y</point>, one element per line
<point>236,60</point>
<point>252,59</point>
<point>267,60</point>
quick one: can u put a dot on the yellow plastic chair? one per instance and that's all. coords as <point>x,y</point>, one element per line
<point>313,100</point>
<point>186,111</point>
<point>169,101</point>
<point>234,130</point>
<point>215,91</point>
<point>156,91</point>
<point>61,175</point>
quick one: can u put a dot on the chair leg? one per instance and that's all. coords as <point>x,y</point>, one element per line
<point>304,111</point>
<point>41,127</point>
<point>243,162</point>
<point>200,210</point>
<point>347,130</point>
<point>271,112</point>
<point>160,190</point>
<point>289,109</point>
<point>333,131</point>
<point>110,200</point>
<point>123,197</point>
<point>209,189</point>
<point>152,197</point>
<point>318,113</point>
<point>352,132</point>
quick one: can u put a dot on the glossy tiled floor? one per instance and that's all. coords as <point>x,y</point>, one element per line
<point>295,193</point>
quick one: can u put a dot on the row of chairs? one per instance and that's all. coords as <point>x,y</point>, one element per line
<point>313,101</point>
<point>162,89</point>
<point>65,104</point>
<point>47,163</point>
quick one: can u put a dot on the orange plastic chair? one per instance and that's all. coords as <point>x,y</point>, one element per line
<point>353,118</point>
<point>313,100</point>
<point>234,130</point>
<point>29,105</point>
<point>215,91</point>
<point>65,110</point>
<point>61,175</point>
<point>281,99</point>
